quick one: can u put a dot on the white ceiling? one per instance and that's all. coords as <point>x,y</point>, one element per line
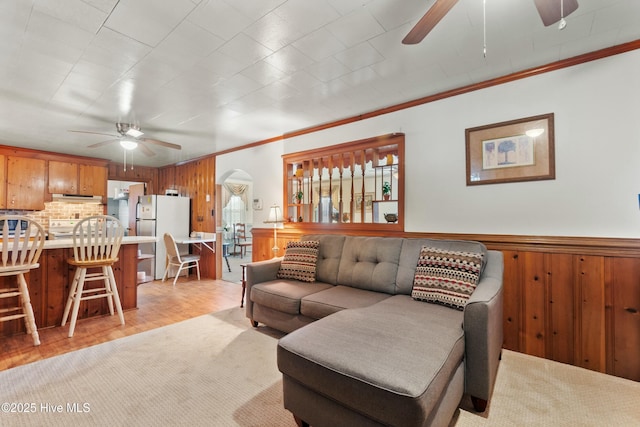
<point>213,74</point>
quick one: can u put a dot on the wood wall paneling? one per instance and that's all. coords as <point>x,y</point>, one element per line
<point>591,312</point>
<point>534,297</point>
<point>561,308</point>
<point>196,180</point>
<point>512,300</point>
<point>148,175</point>
<point>623,282</point>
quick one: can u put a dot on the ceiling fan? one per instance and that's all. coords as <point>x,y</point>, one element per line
<point>551,11</point>
<point>130,137</point>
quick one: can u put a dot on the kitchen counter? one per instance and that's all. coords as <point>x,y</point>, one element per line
<point>126,240</point>
<point>49,284</point>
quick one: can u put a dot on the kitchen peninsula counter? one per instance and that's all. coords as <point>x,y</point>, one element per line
<point>126,240</point>
<point>50,283</point>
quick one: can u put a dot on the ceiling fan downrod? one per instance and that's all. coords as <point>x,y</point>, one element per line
<point>562,23</point>
<point>484,27</point>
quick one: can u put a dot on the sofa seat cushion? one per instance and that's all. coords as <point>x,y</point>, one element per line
<point>324,303</point>
<point>284,295</point>
<point>396,358</point>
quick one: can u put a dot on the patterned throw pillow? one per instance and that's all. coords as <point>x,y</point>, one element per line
<point>299,261</point>
<point>446,277</point>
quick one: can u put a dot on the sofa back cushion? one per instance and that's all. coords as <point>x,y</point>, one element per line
<point>410,255</point>
<point>329,254</point>
<point>370,263</point>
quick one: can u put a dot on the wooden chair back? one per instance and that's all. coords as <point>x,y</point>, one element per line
<point>241,233</point>
<point>97,238</point>
<point>22,242</point>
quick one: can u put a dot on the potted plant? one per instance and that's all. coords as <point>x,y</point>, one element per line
<point>386,190</point>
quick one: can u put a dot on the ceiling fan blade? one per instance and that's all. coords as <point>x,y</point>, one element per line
<point>550,12</point>
<point>93,133</point>
<point>146,150</point>
<point>103,143</point>
<point>435,13</point>
<point>161,143</point>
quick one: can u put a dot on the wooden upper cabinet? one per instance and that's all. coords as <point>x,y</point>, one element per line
<point>92,180</point>
<point>25,183</point>
<point>63,177</point>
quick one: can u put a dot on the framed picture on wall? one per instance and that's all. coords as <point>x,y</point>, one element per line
<point>512,151</point>
<point>368,202</point>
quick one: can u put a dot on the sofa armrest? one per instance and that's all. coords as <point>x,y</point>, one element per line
<point>258,272</point>
<point>483,329</point>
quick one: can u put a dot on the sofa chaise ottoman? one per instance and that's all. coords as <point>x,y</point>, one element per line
<point>363,348</point>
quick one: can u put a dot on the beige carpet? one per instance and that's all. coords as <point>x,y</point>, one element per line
<point>214,370</point>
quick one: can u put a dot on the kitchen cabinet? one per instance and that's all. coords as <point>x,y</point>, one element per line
<point>63,177</point>
<point>73,178</point>
<point>92,180</point>
<point>25,183</point>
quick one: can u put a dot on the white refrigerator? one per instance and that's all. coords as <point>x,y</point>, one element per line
<point>156,215</point>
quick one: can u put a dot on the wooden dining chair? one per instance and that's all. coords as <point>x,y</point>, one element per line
<point>96,242</point>
<point>21,249</point>
<point>241,240</point>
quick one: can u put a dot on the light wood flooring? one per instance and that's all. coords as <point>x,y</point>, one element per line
<point>159,304</point>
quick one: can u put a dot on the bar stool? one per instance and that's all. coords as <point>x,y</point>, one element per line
<point>22,242</point>
<point>96,242</point>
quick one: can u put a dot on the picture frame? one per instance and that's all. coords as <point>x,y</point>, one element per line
<point>368,202</point>
<point>512,151</point>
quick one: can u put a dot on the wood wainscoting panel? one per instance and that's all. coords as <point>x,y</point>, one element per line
<point>512,301</point>
<point>561,308</point>
<point>534,297</point>
<point>591,313</point>
<point>623,284</point>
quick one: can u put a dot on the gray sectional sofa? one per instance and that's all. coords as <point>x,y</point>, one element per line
<point>361,351</point>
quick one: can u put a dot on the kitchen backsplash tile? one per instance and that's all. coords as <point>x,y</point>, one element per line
<point>60,210</point>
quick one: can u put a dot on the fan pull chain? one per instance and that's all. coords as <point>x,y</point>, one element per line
<point>131,168</point>
<point>484,27</point>
<point>124,152</point>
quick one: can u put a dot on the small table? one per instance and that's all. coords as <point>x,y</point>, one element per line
<point>197,241</point>
<point>244,283</point>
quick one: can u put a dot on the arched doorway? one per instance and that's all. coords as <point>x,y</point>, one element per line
<point>237,208</point>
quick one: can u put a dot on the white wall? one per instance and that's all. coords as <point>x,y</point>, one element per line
<point>264,165</point>
<point>597,147</point>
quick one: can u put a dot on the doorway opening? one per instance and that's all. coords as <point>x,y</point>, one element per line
<point>237,214</point>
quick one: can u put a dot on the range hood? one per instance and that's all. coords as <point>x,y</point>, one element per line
<point>76,198</point>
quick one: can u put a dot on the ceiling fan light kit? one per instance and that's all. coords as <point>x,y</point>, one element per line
<point>128,143</point>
